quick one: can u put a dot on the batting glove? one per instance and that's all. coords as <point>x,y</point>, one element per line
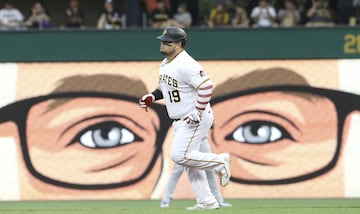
<point>193,117</point>
<point>146,101</point>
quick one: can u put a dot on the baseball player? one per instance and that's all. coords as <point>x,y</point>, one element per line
<point>187,90</point>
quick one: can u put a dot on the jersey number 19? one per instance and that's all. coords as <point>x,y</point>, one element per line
<point>174,96</point>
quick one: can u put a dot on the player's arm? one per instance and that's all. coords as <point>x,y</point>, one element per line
<point>204,92</point>
<point>146,100</point>
<point>204,95</point>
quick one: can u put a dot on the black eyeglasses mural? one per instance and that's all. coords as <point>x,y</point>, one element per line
<point>88,140</point>
<point>281,134</point>
<point>94,140</point>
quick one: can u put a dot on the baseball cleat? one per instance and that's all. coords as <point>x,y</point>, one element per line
<point>225,204</point>
<point>225,173</point>
<point>164,205</point>
<point>212,206</point>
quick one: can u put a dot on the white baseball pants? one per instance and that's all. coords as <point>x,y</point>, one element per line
<point>185,151</point>
<point>179,169</point>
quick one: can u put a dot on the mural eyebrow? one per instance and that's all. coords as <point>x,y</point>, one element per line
<point>275,76</point>
<point>116,84</point>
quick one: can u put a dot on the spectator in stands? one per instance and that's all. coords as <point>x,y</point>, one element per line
<point>110,18</point>
<point>348,12</point>
<point>319,14</point>
<point>355,19</point>
<point>10,17</point>
<point>344,11</point>
<point>240,18</point>
<point>74,16</point>
<point>226,3</point>
<point>183,16</point>
<point>161,16</point>
<point>151,5</point>
<point>289,16</point>
<point>263,15</point>
<point>219,16</point>
<point>205,7</point>
<point>38,19</point>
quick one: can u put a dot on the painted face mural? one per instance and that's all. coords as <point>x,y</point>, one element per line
<point>281,132</point>
<point>75,131</point>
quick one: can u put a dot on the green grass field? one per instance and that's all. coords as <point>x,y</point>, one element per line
<point>266,206</point>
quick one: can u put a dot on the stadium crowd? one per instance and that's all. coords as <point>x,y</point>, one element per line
<point>118,14</point>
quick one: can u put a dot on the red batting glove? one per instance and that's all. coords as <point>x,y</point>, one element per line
<point>146,101</point>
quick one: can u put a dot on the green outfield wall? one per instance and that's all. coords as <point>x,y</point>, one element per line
<point>205,44</point>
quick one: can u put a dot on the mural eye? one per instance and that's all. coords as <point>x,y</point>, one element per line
<point>258,132</point>
<point>106,135</point>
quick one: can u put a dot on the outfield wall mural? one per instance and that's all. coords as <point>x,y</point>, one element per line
<point>73,131</point>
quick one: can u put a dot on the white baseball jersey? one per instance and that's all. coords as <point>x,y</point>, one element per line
<point>186,88</point>
<point>179,81</point>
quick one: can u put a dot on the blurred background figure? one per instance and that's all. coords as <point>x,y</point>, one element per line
<point>10,17</point>
<point>38,19</point>
<point>74,16</point>
<point>240,17</point>
<point>219,16</point>
<point>289,16</point>
<point>319,14</point>
<point>161,16</point>
<point>348,12</point>
<point>205,6</point>
<point>263,15</point>
<point>226,3</point>
<point>345,9</point>
<point>110,18</point>
<point>182,16</point>
<point>355,19</point>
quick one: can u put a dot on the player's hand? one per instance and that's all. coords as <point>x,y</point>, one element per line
<point>193,117</point>
<point>146,100</point>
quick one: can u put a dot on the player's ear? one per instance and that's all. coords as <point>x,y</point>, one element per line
<point>178,44</point>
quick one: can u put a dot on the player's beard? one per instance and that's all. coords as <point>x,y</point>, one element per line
<point>164,49</point>
<point>166,53</point>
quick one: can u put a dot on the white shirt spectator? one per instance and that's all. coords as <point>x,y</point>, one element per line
<point>264,19</point>
<point>10,18</point>
<point>183,18</point>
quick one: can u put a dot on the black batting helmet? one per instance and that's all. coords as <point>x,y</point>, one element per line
<point>172,34</point>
